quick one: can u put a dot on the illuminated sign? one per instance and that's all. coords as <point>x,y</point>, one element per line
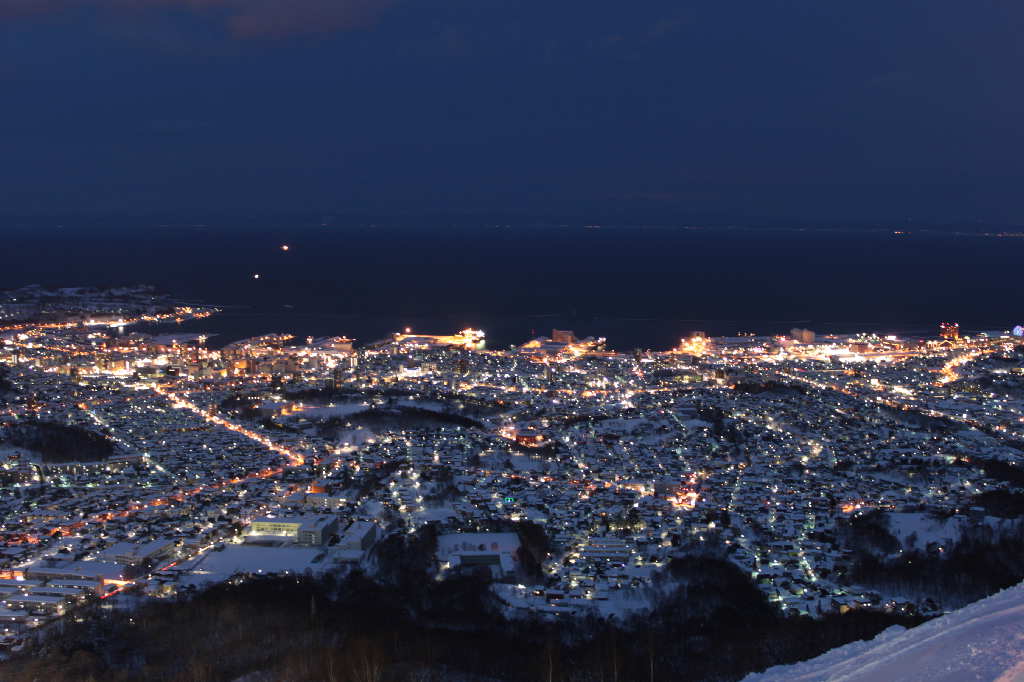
<point>1018,330</point>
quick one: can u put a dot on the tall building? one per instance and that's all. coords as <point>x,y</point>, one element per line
<point>949,330</point>
<point>802,335</point>
<point>340,343</point>
<point>563,336</point>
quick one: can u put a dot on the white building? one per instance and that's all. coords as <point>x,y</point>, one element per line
<point>494,550</point>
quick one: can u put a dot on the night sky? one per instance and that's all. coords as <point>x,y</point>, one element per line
<point>809,109</point>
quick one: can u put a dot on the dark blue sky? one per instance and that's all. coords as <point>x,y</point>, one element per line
<point>812,109</point>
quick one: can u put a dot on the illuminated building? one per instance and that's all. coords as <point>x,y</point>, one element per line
<point>96,573</point>
<point>563,336</point>
<point>802,335</point>
<point>949,330</point>
<point>341,344</point>
<point>305,531</point>
<point>530,438</point>
<point>697,344</point>
<point>470,339</point>
<point>276,527</point>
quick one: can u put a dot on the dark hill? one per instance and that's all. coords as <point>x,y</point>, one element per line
<point>59,442</point>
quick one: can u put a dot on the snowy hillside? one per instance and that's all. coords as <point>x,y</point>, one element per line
<point>983,641</point>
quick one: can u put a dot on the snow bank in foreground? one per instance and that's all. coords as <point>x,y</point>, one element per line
<point>982,641</point>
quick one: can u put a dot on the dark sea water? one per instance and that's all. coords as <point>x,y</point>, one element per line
<point>637,286</point>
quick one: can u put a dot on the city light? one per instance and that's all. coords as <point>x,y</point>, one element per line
<point>765,444</point>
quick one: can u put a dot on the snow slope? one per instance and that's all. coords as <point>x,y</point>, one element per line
<point>982,641</point>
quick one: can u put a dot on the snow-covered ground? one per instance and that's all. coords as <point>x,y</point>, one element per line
<point>431,513</point>
<point>215,567</point>
<point>918,530</point>
<point>329,411</point>
<point>7,451</point>
<point>431,405</point>
<point>609,603</point>
<point>355,437</point>
<point>982,641</point>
